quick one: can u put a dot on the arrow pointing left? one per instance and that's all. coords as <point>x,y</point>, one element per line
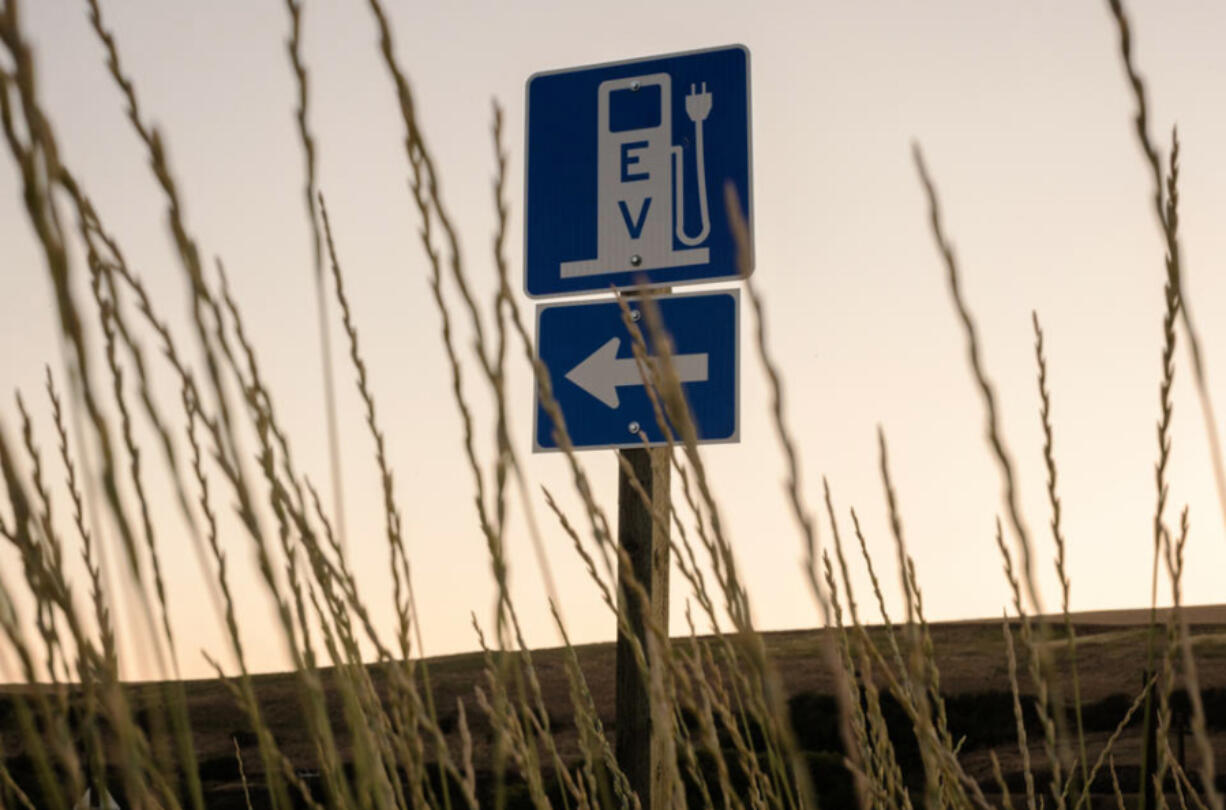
<point>602,372</point>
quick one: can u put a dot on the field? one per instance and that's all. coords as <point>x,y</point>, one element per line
<point>971,657</point>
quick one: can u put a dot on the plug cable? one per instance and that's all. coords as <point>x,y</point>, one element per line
<point>697,108</point>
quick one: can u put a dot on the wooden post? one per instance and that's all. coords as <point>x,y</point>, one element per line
<point>641,753</point>
<point>1149,761</point>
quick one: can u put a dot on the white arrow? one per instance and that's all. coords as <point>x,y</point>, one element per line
<point>602,372</point>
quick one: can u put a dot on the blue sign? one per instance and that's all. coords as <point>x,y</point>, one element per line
<point>596,381</point>
<point>625,172</point>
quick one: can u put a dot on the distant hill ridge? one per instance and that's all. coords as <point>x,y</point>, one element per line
<point>1128,617</point>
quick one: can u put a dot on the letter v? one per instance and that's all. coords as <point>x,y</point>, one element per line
<point>635,227</point>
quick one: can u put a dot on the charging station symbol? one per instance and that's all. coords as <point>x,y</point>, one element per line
<point>640,177</point>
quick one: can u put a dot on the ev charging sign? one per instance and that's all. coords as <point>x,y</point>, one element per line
<point>625,172</point>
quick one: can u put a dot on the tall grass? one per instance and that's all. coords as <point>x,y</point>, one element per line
<point>377,737</point>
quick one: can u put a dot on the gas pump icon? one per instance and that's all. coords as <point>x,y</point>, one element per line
<point>640,177</point>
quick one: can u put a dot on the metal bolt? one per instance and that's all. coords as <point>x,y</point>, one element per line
<point>635,315</point>
<point>634,427</point>
<point>635,85</point>
<point>636,260</point>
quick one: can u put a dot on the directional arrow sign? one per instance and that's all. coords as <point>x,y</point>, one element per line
<point>603,373</point>
<point>597,383</point>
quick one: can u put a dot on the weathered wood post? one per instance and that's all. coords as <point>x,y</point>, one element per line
<point>1149,753</point>
<point>642,734</point>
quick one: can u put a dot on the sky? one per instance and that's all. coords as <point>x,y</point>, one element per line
<point>1024,116</point>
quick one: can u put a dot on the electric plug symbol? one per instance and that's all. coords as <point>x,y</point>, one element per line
<point>698,103</point>
<point>697,107</point>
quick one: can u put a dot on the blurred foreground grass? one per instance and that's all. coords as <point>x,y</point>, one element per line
<point>1035,712</point>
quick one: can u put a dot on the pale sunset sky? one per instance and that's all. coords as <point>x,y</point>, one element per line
<point>1025,118</point>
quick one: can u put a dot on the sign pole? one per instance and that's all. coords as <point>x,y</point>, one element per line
<point>612,153</point>
<point>642,734</point>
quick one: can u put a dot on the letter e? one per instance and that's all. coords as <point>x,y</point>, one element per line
<point>629,160</point>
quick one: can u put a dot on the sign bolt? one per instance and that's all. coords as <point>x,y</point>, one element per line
<point>634,428</point>
<point>635,85</point>
<point>636,260</point>
<point>635,315</point>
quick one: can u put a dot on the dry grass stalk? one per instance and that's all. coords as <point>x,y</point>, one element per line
<point>916,677</point>
<point>1019,717</point>
<point>12,790</point>
<point>1106,751</point>
<point>883,769</point>
<point>1200,732</point>
<point>1041,667</point>
<point>1115,784</point>
<point>852,725</point>
<point>986,390</point>
<point>203,304</point>
<point>310,190</point>
<point>242,773</point>
<point>1166,211</point>
<point>38,163</point>
<point>1053,498</point>
<point>1171,312</point>
<point>658,375</point>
